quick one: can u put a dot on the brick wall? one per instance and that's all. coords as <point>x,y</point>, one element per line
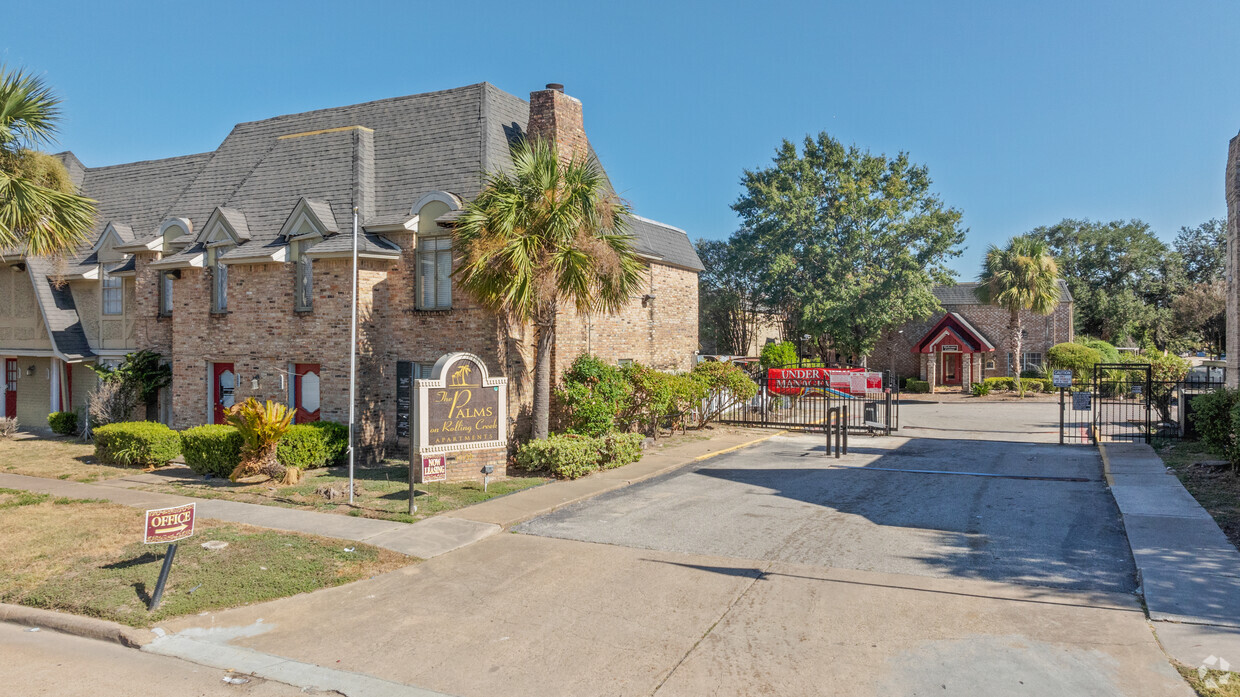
<point>663,334</point>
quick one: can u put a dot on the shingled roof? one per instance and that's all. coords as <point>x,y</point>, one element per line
<point>380,156</point>
<point>965,294</point>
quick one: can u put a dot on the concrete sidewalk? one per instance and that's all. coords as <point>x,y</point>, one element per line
<point>1188,569</point>
<point>424,539</point>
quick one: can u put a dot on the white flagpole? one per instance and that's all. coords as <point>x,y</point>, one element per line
<point>353,360</point>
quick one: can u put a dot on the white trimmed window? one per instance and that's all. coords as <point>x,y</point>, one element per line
<point>435,273</point>
<point>113,302</point>
<point>165,293</point>
<point>303,290</point>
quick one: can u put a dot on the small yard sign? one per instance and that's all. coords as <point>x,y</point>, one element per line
<point>1061,378</point>
<point>1081,401</point>
<point>434,469</point>
<point>164,525</point>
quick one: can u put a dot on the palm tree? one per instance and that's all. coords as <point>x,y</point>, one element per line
<point>548,233</point>
<point>1022,276</point>
<point>40,210</point>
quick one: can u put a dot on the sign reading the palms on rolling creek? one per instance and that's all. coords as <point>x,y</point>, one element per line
<point>461,407</point>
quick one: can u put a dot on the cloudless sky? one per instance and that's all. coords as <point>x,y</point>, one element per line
<point>1024,113</point>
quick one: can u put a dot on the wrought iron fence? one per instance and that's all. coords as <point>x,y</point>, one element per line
<point>803,396</point>
<point>1123,403</point>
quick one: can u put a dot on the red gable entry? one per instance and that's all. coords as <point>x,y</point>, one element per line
<point>953,333</point>
<point>951,343</point>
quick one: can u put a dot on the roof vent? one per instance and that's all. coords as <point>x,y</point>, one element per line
<point>555,86</point>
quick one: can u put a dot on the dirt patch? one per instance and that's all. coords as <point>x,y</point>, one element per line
<point>1216,489</point>
<point>56,458</point>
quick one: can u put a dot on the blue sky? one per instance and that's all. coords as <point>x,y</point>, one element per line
<point>1025,113</point>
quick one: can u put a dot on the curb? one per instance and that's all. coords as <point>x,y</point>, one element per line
<point>1106,462</point>
<point>506,525</point>
<point>87,627</point>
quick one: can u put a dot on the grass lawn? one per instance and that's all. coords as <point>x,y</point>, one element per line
<point>1230,688</point>
<point>56,457</point>
<point>380,492</point>
<point>1217,490</point>
<point>80,556</point>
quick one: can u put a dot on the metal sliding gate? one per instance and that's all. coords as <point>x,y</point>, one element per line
<point>810,402</point>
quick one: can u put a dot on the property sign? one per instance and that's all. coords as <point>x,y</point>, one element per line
<point>795,382</point>
<point>1081,401</point>
<point>1061,378</point>
<point>461,407</point>
<point>165,525</point>
<point>434,469</point>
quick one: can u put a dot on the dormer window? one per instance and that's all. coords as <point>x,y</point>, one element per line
<point>310,222</point>
<point>219,277</point>
<point>174,235</point>
<point>113,303</point>
<point>303,288</point>
<point>434,245</point>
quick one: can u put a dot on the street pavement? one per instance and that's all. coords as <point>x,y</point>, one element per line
<point>770,570</point>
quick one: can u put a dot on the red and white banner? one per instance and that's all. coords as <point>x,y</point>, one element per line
<point>852,382</point>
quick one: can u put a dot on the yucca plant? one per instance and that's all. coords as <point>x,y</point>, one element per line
<point>261,426</point>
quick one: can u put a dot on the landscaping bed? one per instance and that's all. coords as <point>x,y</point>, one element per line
<point>86,557</point>
<point>380,492</point>
<point>56,458</point>
<point>1215,488</point>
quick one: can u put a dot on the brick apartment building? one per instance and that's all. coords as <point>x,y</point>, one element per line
<point>969,340</point>
<point>236,266</point>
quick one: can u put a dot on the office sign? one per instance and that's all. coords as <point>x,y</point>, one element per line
<point>164,525</point>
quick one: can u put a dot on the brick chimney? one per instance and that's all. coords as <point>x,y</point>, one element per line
<point>556,117</point>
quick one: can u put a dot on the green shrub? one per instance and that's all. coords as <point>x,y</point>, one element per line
<point>1032,372</point>
<point>1048,385</point>
<point>620,449</point>
<point>725,384</point>
<point>659,397</point>
<point>337,441</point>
<point>980,389</point>
<point>1078,358</point>
<point>144,443</point>
<point>592,393</point>
<point>303,446</point>
<point>1215,415</point>
<point>777,354</point>
<point>1109,353</point>
<point>1000,383</point>
<point>213,450</point>
<point>63,422</point>
<point>566,456</point>
<point>917,386</point>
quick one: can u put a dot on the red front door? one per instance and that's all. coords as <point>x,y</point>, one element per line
<point>307,379</point>
<point>951,369</point>
<point>10,388</point>
<point>223,390</point>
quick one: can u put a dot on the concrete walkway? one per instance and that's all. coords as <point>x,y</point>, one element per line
<point>1188,569</point>
<point>424,539</point>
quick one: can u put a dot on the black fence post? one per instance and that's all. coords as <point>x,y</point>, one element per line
<point>1061,408</point>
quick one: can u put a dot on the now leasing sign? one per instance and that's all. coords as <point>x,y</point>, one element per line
<point>164,525</point>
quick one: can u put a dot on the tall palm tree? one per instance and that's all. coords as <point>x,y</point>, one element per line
<point>549,233</point>
<point>40,210</point>
<point>1021,276</point>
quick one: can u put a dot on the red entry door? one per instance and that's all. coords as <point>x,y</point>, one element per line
<point>951,369</point>
<point>224,389</point>
<point>307,380</point>
<point>10,387</point>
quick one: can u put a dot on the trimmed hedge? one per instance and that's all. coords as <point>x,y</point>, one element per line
<point>337,441</point>
<point>570,456</point>
<point>214,449</point>
<point>303,446</point>
<point>143,443</point>
<point>1078,358</point>
<point>63,422</point>
<point>1216,416</point>
<point>917,386</point>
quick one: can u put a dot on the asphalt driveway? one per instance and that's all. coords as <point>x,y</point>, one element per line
<point>992,510</point>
